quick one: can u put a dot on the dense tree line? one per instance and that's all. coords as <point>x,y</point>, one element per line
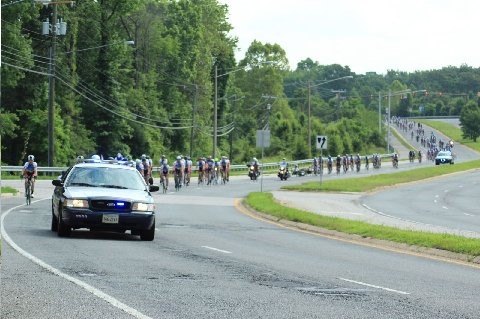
<point>157,96</point>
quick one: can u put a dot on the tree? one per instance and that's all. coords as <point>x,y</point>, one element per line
<point>470,121</point>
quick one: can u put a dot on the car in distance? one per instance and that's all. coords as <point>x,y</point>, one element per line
<point>103,196</point>
<point>444,157</point>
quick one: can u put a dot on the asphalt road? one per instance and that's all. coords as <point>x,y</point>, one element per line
<point>209,260</point>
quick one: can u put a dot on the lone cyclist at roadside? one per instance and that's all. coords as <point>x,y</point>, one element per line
<point>29,170</point>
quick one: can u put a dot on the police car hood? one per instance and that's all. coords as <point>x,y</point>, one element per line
<point>132,195</point>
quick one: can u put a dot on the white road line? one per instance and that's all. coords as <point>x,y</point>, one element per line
<point>111,300</point>
<point>444,207</point>
<point>375,286</point>
<point>468,214</point>
<point>216,249</point>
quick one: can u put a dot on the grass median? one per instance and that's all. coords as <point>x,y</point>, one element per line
<point>8,190</point>
<point>266,203</point>
<point>364,184</point>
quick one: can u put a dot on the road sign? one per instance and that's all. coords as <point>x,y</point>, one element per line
<point>322,142</point>
<point>263,138</point>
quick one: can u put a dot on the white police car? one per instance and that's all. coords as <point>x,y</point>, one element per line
<point>104,196</point>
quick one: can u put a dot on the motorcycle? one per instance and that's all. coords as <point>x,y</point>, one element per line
<point>253,173</point>
<point>283,173</point>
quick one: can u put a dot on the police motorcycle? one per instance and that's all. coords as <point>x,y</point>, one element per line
<point>253,171</point>
<point>283,172</point>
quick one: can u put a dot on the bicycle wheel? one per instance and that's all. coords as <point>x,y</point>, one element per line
<point>28,194</point>
<point>177,183</point>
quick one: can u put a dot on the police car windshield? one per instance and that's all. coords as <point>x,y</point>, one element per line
<point>108,177</point>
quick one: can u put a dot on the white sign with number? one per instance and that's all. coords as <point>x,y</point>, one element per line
<point>322,142</point>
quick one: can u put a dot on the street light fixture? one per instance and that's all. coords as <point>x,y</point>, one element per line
<point>310,86</point>
<point>216,100</point>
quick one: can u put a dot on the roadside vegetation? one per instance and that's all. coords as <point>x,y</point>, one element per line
<point>265,203</point>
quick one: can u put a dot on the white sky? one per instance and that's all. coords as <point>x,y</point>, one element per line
<point>366,35</point>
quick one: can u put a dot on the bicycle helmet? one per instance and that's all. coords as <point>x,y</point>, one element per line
<point>144,156</point>
<point>31,157</point>
<point>95,157</point>
<point>179,157</point>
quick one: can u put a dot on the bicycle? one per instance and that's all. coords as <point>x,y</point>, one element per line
<point>178,181</point>
<point>163,183</point>
<point>28,189</point>
<point>224,177</point>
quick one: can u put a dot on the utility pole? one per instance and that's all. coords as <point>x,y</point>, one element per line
<point>379,112</point>
<point>55,28</point>
<point>51,90</point>
<point>309,121</point>
<point>193,119</point>
<point>215,113</point>
<point>388,119</point>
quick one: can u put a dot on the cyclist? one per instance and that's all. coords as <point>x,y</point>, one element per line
<point>139,166</point>
<point>29,171</point>
<point>178,170</point>
<point>163,160</point>
<point>188,170</point>
<point>146,168</point>
<point>164,169</point>
<point>225,166</point>
<point>210,169</point>
<point>216,170</point>
<point>201,167</point>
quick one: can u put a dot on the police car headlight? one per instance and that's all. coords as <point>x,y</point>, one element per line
<point>143,207</point>
<point>76,203</point>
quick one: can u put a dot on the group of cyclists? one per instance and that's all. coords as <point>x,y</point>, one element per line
<point>209,170</point>
<point>430,142</point>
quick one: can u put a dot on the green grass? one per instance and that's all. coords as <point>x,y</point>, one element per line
<point>402,141</point>
<point>8,189</point>
<point>265,203</point>
<point>364,184</point>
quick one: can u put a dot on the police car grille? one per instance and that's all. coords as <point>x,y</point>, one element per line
<point>110,205</point>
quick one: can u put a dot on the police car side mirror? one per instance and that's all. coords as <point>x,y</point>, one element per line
<point>57,182</point>
<point>153,188</point>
